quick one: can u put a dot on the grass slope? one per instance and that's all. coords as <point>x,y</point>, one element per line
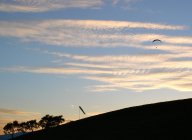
<point>160,121</point>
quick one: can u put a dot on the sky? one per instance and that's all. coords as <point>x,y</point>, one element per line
<point>58,54</point>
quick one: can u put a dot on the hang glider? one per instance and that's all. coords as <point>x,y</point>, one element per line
<point>82,109</point>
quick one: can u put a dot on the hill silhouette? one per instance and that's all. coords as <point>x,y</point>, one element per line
<point>167,120</point>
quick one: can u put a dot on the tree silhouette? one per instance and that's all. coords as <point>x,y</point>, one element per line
<point>22,127</point>
<point>8,129</point>
<point>31,125</point>
<point>46,122</point>
<point>11,128</point>
<point>58,120</point>
<point>51,121</point>
<point>28,126</point>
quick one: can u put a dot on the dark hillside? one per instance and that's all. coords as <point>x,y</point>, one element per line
<point>160,121</point>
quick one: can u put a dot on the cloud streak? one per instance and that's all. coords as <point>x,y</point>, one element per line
<point>115,72</point>
<point>35,6</point>
<point>16,112</point>
<point>46,5</point>
<point>134,72</point>
<point>90,33</point>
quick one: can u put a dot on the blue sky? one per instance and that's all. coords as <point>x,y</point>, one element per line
<point>58,54</point>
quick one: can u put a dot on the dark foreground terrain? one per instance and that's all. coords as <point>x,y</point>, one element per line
<point>161,121</point>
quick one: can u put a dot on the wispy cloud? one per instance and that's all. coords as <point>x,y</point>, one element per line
<point>49,5</point>
<point>114,72</point>
<point>90,33</point>
<point>46,5</point>
<point>133,72</point>
<point>16,112</point>
<point>53,70</point>
<point>125,4</point>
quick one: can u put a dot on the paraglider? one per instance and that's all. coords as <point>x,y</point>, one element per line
<point>156,40</point>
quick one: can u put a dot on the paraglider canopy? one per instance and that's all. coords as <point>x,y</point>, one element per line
<point>156,40</point>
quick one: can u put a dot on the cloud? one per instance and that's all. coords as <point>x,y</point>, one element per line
<point>138,72</point>
<point>126,4</point>
<point>16,112</point>
<point>102,88</point>
<point>46,5</point>
<point>115,72</point>
<point>90,33</point>
<point>107,24</point>
<point>50,5</point>
<point>53,70</point>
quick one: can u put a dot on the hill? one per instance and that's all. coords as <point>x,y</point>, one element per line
<point>7,136</point>
<point>167,120</point>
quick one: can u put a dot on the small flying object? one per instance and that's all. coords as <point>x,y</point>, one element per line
<point>156,40</point>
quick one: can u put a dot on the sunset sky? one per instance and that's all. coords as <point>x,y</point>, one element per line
<point>58,54</point>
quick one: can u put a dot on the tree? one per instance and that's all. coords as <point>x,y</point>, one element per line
<point>51,121</point>
<point>22,127</point>
<point>8,129</point>
<point>11,128</point>
<point>31,125</point>
<point>58,120</point>
<point>28,126</point>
